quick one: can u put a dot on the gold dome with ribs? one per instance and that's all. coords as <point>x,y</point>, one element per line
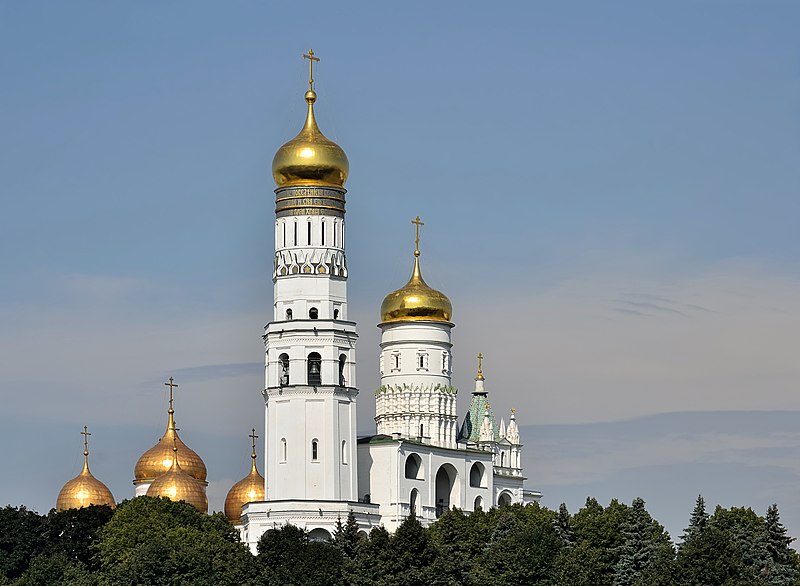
<point>84,489</point>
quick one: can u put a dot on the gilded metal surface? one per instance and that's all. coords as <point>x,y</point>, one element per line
<point>248,490</point>
<point>177,485</point>
<point>310,158</point>
<point>158,459</point>
<point>416,301</point>
<point>84,489</point>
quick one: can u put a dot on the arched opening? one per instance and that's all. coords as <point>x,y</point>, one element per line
<point>335,314</point>
<point>502,459</point>
<point>478,505</point>
<point>446,488</point>
<point>319,534</point>
<point>344,451</point>
<point>477,475</point>
<point>288,315</point>
<point>504,500</point>
<point>313,313</point>
<point>322,233</point>
<point>414,467</point>
<point>342,363</point>
<point>283,453</point>
<point>315,450</point>
<point>283,365</point>
<point>314,369</point>
<point>412,500</point>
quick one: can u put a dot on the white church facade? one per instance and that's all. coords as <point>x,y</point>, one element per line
<point>423,457</point>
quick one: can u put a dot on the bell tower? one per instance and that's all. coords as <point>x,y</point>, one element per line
<point>309,346</point>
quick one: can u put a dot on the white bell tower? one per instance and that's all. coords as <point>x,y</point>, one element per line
<point>310,389</point>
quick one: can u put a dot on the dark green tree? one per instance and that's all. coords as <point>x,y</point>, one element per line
<point>601,530</point>
<point>57,569</point>
<point>645,540</point>
<point>563,526</point>
<point>698,520</point>
<point>157,541</point>
<point>75,532</point>
<point>346,536</point>
<point>374,560</point>
<point>287,557</point>
<point>413,554</point>
<point>783,569</point>
<point>21,539</point>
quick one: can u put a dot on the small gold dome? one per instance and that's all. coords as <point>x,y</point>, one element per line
<point>416,301</point>
<point>310,158</point>
<point>84,489</point>
<point>158,459</point>
<point>177,485</point>
<point>249,489</point>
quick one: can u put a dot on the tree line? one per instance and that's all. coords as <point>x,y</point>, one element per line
<point>155,541</point>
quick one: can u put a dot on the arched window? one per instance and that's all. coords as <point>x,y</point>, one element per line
<point>412,500</point>
<point>504,500</point>
<point>314,369</point>
<point>313,313</point>
<point>414,467</point>
<point>284,451</point>
<point>322,232</point>
<point>288,315</point>
<point>283,369</point>
<point>477,475</point>
<point>342,362</point>
<point>344,451</point>
<point>335,314</point>
<point>478,505</point>
<point>314,450</point>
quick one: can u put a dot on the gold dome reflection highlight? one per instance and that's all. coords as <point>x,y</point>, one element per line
<point>248,490</point>
<point>84,489</point>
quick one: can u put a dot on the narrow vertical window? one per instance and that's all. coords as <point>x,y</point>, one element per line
<point>283,369</point>
<point>322,233</point>
<point>288,315</point>
<point>342,363</point>
<point>335,314</point>
<point>314,450</point>
<point>335,232</point>
<point>421,430</point>
<point>313,313</point>
<point>283,449</point>
<point>314,369</point>
<point>344,451</point>
<point>294,242</point>
<point>283,225</point>
<point>309,232</point>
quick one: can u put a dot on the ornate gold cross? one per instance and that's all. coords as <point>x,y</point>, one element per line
<point>480,362</point>
<point>417,223</point>
<point>171,385</point>
<point>311,59</point>
<point>85,433</point>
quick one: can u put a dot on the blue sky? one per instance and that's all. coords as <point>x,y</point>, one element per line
<point>610,193</point>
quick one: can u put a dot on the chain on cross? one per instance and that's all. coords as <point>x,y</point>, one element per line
<point>311,59</point>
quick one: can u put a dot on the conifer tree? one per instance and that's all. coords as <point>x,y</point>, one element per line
<point>639,548</point>
<point>563,526</point>
<point>346,536</point>
<point>783,570</point>
<point>698,520</point>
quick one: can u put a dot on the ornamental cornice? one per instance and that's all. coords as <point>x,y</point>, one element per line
<point>417,389</point>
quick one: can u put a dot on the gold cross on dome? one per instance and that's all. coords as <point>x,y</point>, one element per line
<point>417,223</point>
<point>85,433</point>
<point>255,437</point>
<point>311,59</point>
<point>171,385</point>
<point>480,362</point>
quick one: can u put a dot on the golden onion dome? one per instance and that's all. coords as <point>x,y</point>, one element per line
<point>84,489</point>
<point>310,158</point>
<point>158,459</point>
<point>416,301</point>
<point>248,490</point>
<point>177,485</point>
